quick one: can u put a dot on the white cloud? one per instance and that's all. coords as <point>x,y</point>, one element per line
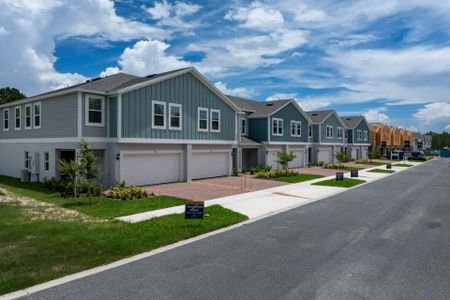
<point>257,16</point>
<point>173,15</point>
<point>434,113</point>
<point>305,103</point>
<point>447,128</point>
<point>376,115</point>
<point>160,10</point>
<point>3,31</point>
<point>239,92</point>
<point>110,71</point>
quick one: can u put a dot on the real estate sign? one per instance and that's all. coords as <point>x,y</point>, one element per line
<point>194,210</point>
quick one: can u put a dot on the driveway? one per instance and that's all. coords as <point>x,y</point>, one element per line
<point>385,240</point>
<point>212,188</point>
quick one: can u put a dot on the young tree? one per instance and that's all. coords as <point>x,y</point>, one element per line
<point>284,158</point>
<point>70,169</point>
<point>8,94</point>
<point>342,157</point>
<point>89,169</point>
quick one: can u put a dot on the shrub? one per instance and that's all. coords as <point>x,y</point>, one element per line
<point>257,169</point>
<point>276,173</point>
<point>334,166</point>
<point>125,193</point>
<point>235,172</point>
<point>342,157</point>
<point>320,164</point>
<point>284,158</point>
<point>374,153</point>
<point>312,164</point>
<point>362,161</point>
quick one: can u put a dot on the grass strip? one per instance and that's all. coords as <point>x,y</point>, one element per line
<point>346,183</point>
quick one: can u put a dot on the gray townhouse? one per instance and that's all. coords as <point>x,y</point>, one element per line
<point>357,136</point>
<point>267,128</point>
<point>327,132</point>
<point>167,127</point>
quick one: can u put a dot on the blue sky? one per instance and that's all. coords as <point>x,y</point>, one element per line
<point>387,59</point>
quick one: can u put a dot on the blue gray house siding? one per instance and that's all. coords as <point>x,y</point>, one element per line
<point>290,113</point>
<point>350,136</point>
<point>332,120</point>
<point>316,133</point>
<point>58,119</point>
<point>186,90</point>
<point>257,129</point>
<point>112,117</point>
<point>362,126</point>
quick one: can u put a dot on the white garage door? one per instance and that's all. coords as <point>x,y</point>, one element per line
<point>299,160</point>
<point>210,164</point>
<point>151,168</point>
<point>272,160</point>
<point>365,153</point>
<point>324,155</point>
<point>354,154</point>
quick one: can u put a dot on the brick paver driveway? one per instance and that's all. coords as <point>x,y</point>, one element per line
<point>212,188</point>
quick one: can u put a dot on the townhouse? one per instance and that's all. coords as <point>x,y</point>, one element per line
<point>357,137</point>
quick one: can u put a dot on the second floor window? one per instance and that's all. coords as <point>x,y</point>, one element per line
<point>6,119</point>
<point>37,115</point>
<point>277,126</point>
<point>95,111</point>
<point>28,116</point>
<point>296,128</point>
<point>243,126</point>
<point>310,131</point>
<point>175,116</point>
<point>329,132</point>
<point>366,135</point>
<point>18,114</point>
<point>215,120</point>
<point>159,115</point>
<point>202,119</point>
<point>359,134</point>
<point>339,132</point>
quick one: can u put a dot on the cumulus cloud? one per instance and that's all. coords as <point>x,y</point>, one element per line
<point>305,103</point>
<point>173,15</point>
<point>434,113</point>
<point>376,115</point>
<point>257,16</point>
<point>239,91</point>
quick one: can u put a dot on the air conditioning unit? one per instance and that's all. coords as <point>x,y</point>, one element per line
<point>25,175</point>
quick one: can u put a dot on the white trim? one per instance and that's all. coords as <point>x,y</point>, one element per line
<point>86,111</point>
<point>29,105</point>
<point>142,152</point>
<point>359,131</point>
<point>365,135</point>
<point>269,129</point>
<point>54,140</point>
<point>15,117</point>
<point>3,119</point>
<point>211,111</point>
<point>34,115</point>
<point>285,143</point>
<point>80,114</point>
<point>119,116</point>
<point>342,133</point>
<point>173,141</point>
<point>245,127</point>
<point>212,151</point>
<point>329,144</point>
<point>310,126</point>
<point>170,116</point>
<point>198,119</point>
<point>164,115</point>
<point>298,124</point>
<point>329,136</point>
<point>282,126</point>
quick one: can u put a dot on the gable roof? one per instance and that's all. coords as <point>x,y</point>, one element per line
<point>352,121</point>
<point>319,116</point>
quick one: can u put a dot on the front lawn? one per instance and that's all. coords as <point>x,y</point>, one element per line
<point>381,171</point>
<point>370,163</point>
<point>101,207</point>
<point>403,165</point>
<point>298,178</point>
<point>347,182</point>
<point>41,241</point>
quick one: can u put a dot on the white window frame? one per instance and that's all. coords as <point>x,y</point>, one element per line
<point>297,127</point>
<point>329,133</point>
<point>6,120</point>
<point>30,116</point>
<point>244,126</point>
<point>34,115</point>
<point>345,134</point>
<point>339,133</point>
<point>170,116</point>
<point>86,111</point>
<point>280,125</point>
<point>46,161</point>
<point>164,104</point>
<point>199,109</point>
<point>359,135</point>
<point>15,117</point>
<point>310,131</point>
<point>366,135</point>
<point>211,111</point>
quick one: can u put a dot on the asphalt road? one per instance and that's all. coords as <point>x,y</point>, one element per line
<point>386,240</point>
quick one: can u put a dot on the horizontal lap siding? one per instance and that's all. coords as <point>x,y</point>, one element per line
<point>93,131</point>
<point>290,113</point>
<point>185,90</point>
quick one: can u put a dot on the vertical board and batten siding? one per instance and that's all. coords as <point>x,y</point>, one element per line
<point>257,129</point>
<point>112,117</point>
<point>290,113</point>
<point>58,119</point>
<point>186,90</point>
<point>93,131</point>
<point>332,120</point>
<point>316,133</point>
<point>350,136</point>
<point>362,126</point>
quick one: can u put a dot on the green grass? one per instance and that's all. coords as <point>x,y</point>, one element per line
<point>298,178</point>
<point>347,182</point>
<point>372,163</point>
<point>381,171</point>
<point>403,165</point>
<point>101,207</point>
<point>33,251</point>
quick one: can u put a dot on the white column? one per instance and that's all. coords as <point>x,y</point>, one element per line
<point>188,162</point>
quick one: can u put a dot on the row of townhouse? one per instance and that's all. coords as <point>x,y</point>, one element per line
<point>167,127</point>
<point>387,138</point>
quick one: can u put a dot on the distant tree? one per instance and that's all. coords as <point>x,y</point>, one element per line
<point>8,94</point>
<point>342,157</point>
<point>439,140</point>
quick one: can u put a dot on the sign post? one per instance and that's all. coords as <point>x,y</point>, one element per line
<point>339,176</point>
<point>194,210</point>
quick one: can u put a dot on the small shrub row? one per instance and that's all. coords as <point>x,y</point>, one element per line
<point>316,164</point>
<point>256,169</point>
<point>276,173</point>
<point>362,161</point>
<point>334,166</point>
<point>120,191</point>
<point>65,187</point>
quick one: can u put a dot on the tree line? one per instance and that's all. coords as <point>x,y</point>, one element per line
<point>440,140</point>
<point>8,94</point>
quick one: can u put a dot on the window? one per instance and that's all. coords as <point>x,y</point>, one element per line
<point>175,116</point>
<point>215,120</point>
<point>277,126</point>
<point>46,161</point>
<point>366,135</point>
<point>329,132</point>
<point>310,131</point>
<point>6,119</point>
<point>339,132</point>
<point>296,128</point>
<point>202,119</point>
<point>28,116</point>
<point>345,134</point>
<point>27,160</point>
<point>359,134</point>
<point>159,115</point>
<point>18,114</point>
<point>95,111</point>
<point>243,126</point>
<point>37,115</point>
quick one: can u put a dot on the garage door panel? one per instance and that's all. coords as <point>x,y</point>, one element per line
<point>299,160</point>
<point>272,160</point>
<point>210,164</point>
<point>324,155</point>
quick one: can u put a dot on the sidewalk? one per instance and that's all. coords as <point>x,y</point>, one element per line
<point>259,203</point>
